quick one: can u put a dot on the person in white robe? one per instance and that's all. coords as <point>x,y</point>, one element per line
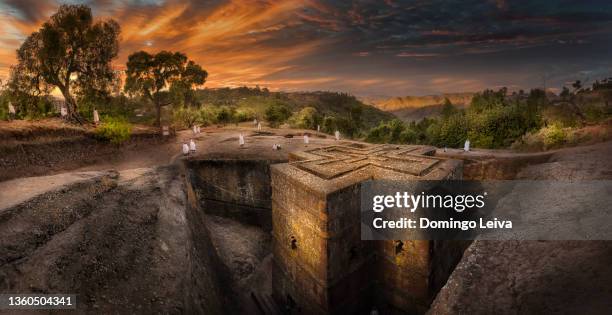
<point>185,149</point>
<point>192,146</point>
<point>337,135</point>
<point>12,111</point>
<point>306,140</point>
<point>466,146</point>
<point>96,117</point>
<point>241,140</point>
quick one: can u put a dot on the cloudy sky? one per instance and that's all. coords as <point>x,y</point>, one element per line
<point>365,47</point>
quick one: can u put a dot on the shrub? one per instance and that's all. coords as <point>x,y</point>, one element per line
<point>394,131</point>
<point>409,135</point>
<point>4,106</point>
<point>225,114</point>
<point>386,132</point>
<point>207,115</point>
<point>276,114</point>
<point>114,130</point>
<point>553,136</point>
<point>596,114</point>
<point>185,116</point>
<point>450,132</point>
<point>244,114</point>
<point>329,124</point>
<point>306,118</point>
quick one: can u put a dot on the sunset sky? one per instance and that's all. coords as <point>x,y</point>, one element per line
<point>371,48</point>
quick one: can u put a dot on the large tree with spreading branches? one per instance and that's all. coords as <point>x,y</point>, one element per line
<point>70,52</point>
<point>157,77</point>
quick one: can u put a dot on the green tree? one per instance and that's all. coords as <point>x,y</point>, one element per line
<point>151,75</point>
<point>225,114</point>
<point>450,132</point>
<point>276,114</point>
<point>70,52</point>
<point>448,109</point>
<point>329,124</point>
<point>306,118</point>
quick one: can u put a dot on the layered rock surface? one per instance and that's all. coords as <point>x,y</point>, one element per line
<point>124,243</point>
<point>537,277</point>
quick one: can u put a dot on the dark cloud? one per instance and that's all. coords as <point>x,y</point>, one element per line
<point>28,10</point>
<point>364,47</point>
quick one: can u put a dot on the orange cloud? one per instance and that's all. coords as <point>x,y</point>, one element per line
<point>233,41</point>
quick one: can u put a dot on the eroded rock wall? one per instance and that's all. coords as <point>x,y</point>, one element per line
<point>236,188</point>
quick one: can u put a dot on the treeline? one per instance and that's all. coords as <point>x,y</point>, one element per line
<point>72,52</point>
<point>329,111</point>
<point>497,119</point>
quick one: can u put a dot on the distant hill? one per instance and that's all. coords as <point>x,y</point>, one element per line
<point>396,103</point>
<point>326,103</point>
<point>410,108</point>
<point>415,114</point>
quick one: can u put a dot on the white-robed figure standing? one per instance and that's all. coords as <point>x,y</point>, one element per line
<point>466,145</point>
<point>241,140</point>
<point>192,146</point>
<point>63,111</point>
<point>318,128</point>
<point>259,126</point>
<point>195,129</point>
<point>96,117</point>
<point>185,148</point>
<point>12,111</point>
<point>337,135</point>
<point>306,140</point>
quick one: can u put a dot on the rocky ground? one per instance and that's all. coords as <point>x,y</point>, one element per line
<point>127,240</point>
<point>53,147</point>
<point>538,277</point>
<point>131,240</point>
<point>122,242</point>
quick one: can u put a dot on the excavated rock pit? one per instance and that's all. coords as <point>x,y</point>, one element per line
<point>194,237</point>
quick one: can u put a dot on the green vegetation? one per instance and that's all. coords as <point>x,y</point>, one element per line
<point>555,136</point>
<point>70,52</point>
<point>496,119</point>
<point>395,131</point>
<point>276,114</point>
<point>331,111</point>
<point>306,118</point>
<point>114,130</point>
<point>150,75</point>
<point>244,114</point>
